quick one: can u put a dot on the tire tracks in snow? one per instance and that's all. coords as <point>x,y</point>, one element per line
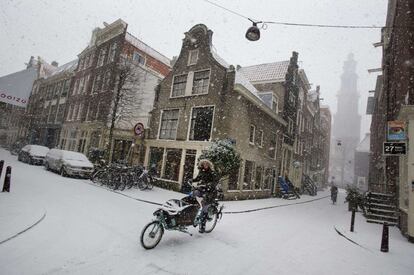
<point>25,230</point>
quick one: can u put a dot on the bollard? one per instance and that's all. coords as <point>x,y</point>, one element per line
<point>7,179</point>
<point>1,166</point>
<point>385,239</point>
<point>352,219</point>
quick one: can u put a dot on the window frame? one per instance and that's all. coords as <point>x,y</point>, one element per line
<point>254,134</point>
<point>190,55</point>
<point>191,118</point>
<point>185,86</point>
<point>160,123</point>
<point>208,82</point>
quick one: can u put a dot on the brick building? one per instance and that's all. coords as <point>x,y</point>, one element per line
<point>97,97</point>
<point>47,104</point>
<point>394,100</point>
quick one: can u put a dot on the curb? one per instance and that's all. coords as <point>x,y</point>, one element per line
<point>224,212</point>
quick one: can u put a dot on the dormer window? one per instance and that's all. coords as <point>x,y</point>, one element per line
<point>137,57</point>
<point>193,57</point>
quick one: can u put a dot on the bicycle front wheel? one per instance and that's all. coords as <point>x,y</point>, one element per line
<point>151,235</point>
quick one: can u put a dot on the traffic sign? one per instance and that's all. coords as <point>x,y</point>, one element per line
<point>139,129</point>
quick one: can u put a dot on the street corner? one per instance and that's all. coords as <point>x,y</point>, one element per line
<point>17,216</point>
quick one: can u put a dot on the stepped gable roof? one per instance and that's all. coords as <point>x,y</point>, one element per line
<point>275,72</point>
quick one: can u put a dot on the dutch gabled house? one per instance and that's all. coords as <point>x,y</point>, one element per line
<point>204,99</point>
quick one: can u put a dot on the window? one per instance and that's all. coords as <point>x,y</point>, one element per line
<point>60,113</point>
<point>248,175</point>
<point>201,82</point>
<point>112,52</point>
<point>86,65</point>
<point>251,134</point>
<point>91,56</point>
<point>290,126</point>
<point>233,179</point>
<point>172,164</point>
<point>97,84</point>
<point>273,146</point>
<point>87,111</point>
<point>85,87</point>
<point>81,85</point>
<point>75,89</point>
<point>179,84</point>
<point>52,114</point>
<point>101,57</point>
<point>267,178</point>
<point>193,57</point>
<point>98,107</point>
<point>259,177</point>
<point>70,110</point>
<point>107,80</point>
<point>266,97</point>
<point>66,88</point>
<point>138,58</point>
<point>169,122</point>
<point>156,155</point>
<point>259,138</point>
<point>75,111</point>
<point>201,123</point>
<point>80,111</point>
<point>275,104</point>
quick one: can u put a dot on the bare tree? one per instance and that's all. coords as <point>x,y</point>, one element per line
<point>127,98</point>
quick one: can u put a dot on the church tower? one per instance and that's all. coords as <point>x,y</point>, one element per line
<point>347,125</point>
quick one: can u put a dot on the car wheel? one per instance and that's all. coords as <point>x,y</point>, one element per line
<point>19,157</point>
<point>30,161</point>
<point>63,172</point>
<point>47,166</point>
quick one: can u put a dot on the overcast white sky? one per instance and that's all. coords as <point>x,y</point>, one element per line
<point>59,30</point>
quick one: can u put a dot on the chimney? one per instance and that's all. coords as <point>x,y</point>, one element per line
<point>54,64</point>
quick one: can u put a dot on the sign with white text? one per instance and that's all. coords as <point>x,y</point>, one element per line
<point>15,88</point>
<point>395,148</point>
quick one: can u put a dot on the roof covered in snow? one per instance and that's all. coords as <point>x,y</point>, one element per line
<point>147,49</point>
<point>364,145</point>
<point>275,72</point>
<point>68,67</point>
<point>242,80</point>
<point>218,58</point>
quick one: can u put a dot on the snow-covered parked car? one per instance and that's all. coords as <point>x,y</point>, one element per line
<point>33,154</point>
<point>68,163</point>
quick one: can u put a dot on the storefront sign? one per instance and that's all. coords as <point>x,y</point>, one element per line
<point>395,148</point>
<point>396,131</point>
<point>139,129</point>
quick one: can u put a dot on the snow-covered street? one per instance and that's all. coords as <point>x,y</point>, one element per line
<point>86,229</point>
